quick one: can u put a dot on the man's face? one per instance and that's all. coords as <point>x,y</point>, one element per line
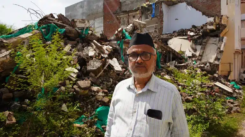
<point>144,65</point>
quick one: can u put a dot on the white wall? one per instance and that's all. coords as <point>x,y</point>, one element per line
<point>186,17</point>
<point>97,24</point>
<point>224,10</point>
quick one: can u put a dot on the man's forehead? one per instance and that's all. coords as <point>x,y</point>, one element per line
<point>140,48</point>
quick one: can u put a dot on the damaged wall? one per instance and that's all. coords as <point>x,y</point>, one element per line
<point>231,59</point>
<point>76,11</point>
<point>209,8</point>
<point>127,5</point>
<point>181,16</point>
<point>97,24</point>
<point>87,9</point>
<point>111,24</point>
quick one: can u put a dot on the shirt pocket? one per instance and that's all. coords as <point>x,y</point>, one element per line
<point>154,125</point>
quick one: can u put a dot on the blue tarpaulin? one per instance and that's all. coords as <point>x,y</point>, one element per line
<point>153,10</point>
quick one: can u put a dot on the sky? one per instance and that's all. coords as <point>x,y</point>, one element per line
<point>18,17</point>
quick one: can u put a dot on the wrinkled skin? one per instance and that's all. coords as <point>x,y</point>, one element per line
<point>141,68</point>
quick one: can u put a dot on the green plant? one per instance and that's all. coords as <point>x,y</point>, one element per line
<point>204,109</point>
<point>44,67</point>
<point>5,29</point>
<point>181,52</point>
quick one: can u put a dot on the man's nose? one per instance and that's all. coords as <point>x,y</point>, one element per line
<point>139,60</point>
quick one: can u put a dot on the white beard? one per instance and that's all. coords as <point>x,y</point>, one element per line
<point>142,75</point>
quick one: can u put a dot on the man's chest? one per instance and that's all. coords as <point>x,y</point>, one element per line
<point>131,110</point>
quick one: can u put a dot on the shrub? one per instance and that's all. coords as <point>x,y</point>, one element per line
<point>44,66</point>
<point>204,109</point>
<point>5,29</point>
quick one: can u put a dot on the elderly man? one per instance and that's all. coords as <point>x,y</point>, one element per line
<point>144,105</point>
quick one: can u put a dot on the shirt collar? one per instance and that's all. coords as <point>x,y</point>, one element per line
<point>150,84</point>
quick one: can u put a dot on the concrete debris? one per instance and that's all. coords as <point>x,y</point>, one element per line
<point>106,100</point>
<point>72,70</point>
<point>115,65</point>
<point>10,118</point>
<point>15,106</point>
<point>80,23</point>
<point>67,48</point>
<point>64,108</point>
<point>84,84</point>
<point>99,65</point>
<point>96,89</point>
<point>224,87</point>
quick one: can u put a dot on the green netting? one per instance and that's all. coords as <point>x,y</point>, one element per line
<point>194,62</point>
<point>235,85</point>
<point>102,115</point>
<point>36,26</point>
<point>126,34</point>
<point>15,68</point>
<point>121,47</point>
<point>27,29</point>
<point>50,30</point>
<point>158,63</point>
<point>231,98</point>
<point>84,33</point>
<point>120,43</point>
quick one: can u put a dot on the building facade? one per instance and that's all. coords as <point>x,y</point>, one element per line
<point>91,10</point>
<point>243,32</point>
<point>230,63</point>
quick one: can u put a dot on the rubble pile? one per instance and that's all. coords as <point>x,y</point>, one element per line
<point>217,87</point>
<point>100,66</point>
<point>196,43</point>
<point>98,60</point>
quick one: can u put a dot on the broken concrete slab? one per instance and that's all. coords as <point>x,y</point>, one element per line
<point>210,50</point>
<point>96,89</point>
<point>115,65</point>
<point>64,107</point>
<point>67,48</point>
<point>106,100</point>
<point>224,87</point>
<point>14,42</point>
<point>10,118</point>
<point>5,53</point>
<point>72,70</point>
<point>95,66</point>
<point>84,84</point>
<point>98,46</point>
<point>81,23</point>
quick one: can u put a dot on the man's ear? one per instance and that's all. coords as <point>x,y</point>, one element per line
<point>155,58</point>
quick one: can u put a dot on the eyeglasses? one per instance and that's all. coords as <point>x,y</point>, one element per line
<point>145,56</point>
